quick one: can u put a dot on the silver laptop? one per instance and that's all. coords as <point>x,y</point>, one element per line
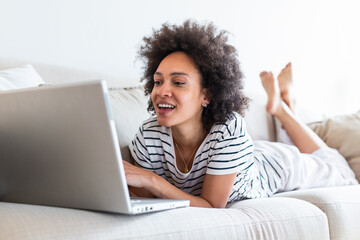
<point>59,147</point>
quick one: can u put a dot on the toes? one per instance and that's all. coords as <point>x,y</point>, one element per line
<point>266,74</point>
<point>263,74</point>
<point>286,68</point>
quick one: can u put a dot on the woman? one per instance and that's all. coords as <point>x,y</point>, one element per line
<point>197,146</point>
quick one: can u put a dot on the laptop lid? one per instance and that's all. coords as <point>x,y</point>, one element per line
<point>59,147</point>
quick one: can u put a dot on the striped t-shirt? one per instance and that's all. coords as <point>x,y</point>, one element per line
<point>226,149</point>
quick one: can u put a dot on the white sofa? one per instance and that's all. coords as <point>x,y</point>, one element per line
<point>326,213</point>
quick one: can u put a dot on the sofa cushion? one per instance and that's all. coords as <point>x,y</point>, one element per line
<point>259,124</point>
<point>129,110</point>
<point>340,204</point>
<point>342,133</point>
<point>19,77</point>
<point>269,218</point>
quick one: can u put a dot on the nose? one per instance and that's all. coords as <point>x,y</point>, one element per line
<point>164,90</point>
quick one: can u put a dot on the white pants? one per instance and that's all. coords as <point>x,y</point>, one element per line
<point>323,168</point>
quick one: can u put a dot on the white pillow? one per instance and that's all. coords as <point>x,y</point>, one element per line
<point>19,77</point>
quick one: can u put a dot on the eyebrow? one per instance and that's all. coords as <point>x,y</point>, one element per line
<point>173,74</point>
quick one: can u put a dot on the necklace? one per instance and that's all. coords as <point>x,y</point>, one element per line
<point>186,170</point>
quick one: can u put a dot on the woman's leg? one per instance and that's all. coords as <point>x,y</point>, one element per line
<point>286,86</point>
<point>302,136</point>
<point>323,168</point>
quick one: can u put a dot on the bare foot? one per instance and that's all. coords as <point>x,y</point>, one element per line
<point>286,86</point>
<point>271,87</point>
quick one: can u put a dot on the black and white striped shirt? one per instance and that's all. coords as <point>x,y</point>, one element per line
<point>226,149</point>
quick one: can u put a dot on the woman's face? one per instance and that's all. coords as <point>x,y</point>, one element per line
<point>177,95</point>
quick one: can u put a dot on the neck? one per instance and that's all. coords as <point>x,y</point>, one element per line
<point>189,136</point>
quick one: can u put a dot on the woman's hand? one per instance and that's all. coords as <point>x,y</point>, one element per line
<point>136,176</point>
<point>144,183</point>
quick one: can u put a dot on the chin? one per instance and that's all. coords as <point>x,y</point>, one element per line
<point>163,122</point>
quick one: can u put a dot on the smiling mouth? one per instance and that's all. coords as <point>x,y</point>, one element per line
<point>165,106</point>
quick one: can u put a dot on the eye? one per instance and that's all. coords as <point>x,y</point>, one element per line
<point>179,83</point>
<point>157,82</point>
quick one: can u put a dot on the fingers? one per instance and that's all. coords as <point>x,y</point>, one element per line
<point>137,176</point>
<point>128,166</point>
<point>134,175</point>
<point>129,171</point>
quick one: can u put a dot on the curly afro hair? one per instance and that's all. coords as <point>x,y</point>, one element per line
<point>216,61</point>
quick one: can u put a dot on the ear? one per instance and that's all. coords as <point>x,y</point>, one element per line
<point>205,95</point>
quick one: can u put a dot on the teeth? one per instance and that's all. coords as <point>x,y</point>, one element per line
<point>165,106</point>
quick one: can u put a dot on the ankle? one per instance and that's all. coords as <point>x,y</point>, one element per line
<point>289,100</point>
<point>281,111</point>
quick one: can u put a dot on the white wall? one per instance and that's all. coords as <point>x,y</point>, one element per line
<point>320,37</point>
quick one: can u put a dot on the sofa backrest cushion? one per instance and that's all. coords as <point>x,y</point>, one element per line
<point>129,110</point>
<point>259,123</point>
<point>342,133</point>
<point>129,103</point>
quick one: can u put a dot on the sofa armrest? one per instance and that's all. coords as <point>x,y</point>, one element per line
<point>340,204</point>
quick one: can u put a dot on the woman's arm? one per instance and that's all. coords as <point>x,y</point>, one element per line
<point>217,189</point>
<point>215,192</point>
